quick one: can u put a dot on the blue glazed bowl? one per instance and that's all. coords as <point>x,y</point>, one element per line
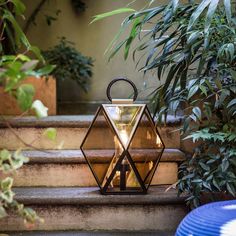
<point>213,219</point>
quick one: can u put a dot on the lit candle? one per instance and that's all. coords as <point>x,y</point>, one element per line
<point>124,137</point>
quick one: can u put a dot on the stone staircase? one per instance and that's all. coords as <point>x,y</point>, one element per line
<point>58,184</point>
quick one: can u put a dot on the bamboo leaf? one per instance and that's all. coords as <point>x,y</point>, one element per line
<point>210,13</point>
<point>197,112</point>
<point>192,91</point>
<point>111,13</point>
<point>175,4</point>
<point>132,36</point>
<point>227,4</point>
<point>232,103</point>
<point>195,16</point>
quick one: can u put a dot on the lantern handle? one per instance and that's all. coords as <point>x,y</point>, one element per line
<point>122,79</point>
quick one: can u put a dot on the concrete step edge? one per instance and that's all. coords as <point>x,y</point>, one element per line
<point>91,196</point>
<point>80,121</point>
<point>91,233</point>
<point>76,156</point>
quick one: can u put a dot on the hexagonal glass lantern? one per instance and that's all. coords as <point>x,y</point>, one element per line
<point>122,146</point>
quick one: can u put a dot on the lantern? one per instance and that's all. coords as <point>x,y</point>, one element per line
<point>122,146</point>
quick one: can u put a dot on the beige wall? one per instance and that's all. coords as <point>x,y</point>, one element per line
<point>91,40</point>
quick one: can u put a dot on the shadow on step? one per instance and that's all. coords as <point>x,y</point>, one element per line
<point>79,233</point>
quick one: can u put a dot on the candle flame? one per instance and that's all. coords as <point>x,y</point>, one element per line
<point>158,141</point>
<point>123,137</point>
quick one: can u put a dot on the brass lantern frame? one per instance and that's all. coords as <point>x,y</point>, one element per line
<point>125,148</point>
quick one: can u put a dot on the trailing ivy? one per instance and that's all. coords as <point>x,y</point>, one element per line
<point>15,67</point>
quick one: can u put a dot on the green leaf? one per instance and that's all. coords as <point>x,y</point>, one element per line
<point>195,16</point>
<point>5,155</point>
<point>193,90</point>
<point>6,184</point>
<point>25,94</point>
<point>36,52</point>
<point>7,196</point>
<point>175,4</point>
<point>233,73</point>
<point>216,184</point>
<point>203,89</point>
<point>132,36</point>
<point>111,13</point>
<point>19,159</point>
<point>224,165</point>
<point>45,70</point>
<point>40,109</point>
<point>227,4</point>
<point>19,34</point>
<point>22,57</point>
<point>19,7</point>
<point>50,133</point>
<point>197,112</point>
<point>230,189</point>
<point>231,103</point>
<point>3,212</point>
<point>210,14</point>
<point>204,166</point>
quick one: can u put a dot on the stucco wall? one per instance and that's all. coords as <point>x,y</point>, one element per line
<point>91,40</point>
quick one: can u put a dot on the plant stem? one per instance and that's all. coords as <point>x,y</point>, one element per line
<point>18,136</point>
<point>33,15</point>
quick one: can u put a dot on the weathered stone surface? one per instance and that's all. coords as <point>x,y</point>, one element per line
<point>103,156</point>
<point>121,217</point>
<point>86,209</point>
<point>56,175</point>
<point>69,168</point>
<point>67,138</point>
<point>94,233</point>
<point>134,218</point>
<point>91,196</point>
<point>72,121</point>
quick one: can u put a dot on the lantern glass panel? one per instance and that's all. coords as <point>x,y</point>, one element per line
<point>124,118</point>
<point>130,180</point>
<point>146,148</point>
<point>100,147</point>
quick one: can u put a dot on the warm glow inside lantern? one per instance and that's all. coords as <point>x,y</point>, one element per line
<point>122,146</point>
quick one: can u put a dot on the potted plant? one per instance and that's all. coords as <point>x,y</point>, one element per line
<point>70,64</point>
<point>14,69</point>
<point>192,48</point>
<point>12,40</point>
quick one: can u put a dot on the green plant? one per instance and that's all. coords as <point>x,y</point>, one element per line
<point>70,64</point>
<point>14,69</point>
<point>191,46</point>
<point>9,163</point>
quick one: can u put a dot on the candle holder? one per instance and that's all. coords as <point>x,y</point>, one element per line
<point>122,145</point>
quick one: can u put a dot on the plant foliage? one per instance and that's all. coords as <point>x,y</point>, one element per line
<point>191,48</point>
<point>15,67</point>
<point>70,63</point>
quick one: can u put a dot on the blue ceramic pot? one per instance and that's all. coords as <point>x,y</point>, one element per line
<point>213,219</point>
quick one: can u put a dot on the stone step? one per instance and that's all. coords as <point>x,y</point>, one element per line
<point>70,132</point>
<point>56,168</point>
<point>92,233</point>
<point>86,209</point>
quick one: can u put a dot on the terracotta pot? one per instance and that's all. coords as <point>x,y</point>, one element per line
<point>45,91</point>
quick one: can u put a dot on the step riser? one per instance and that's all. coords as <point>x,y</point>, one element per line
<point>121,217</point>
<point>66,175</point>
<point>68,138</point>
